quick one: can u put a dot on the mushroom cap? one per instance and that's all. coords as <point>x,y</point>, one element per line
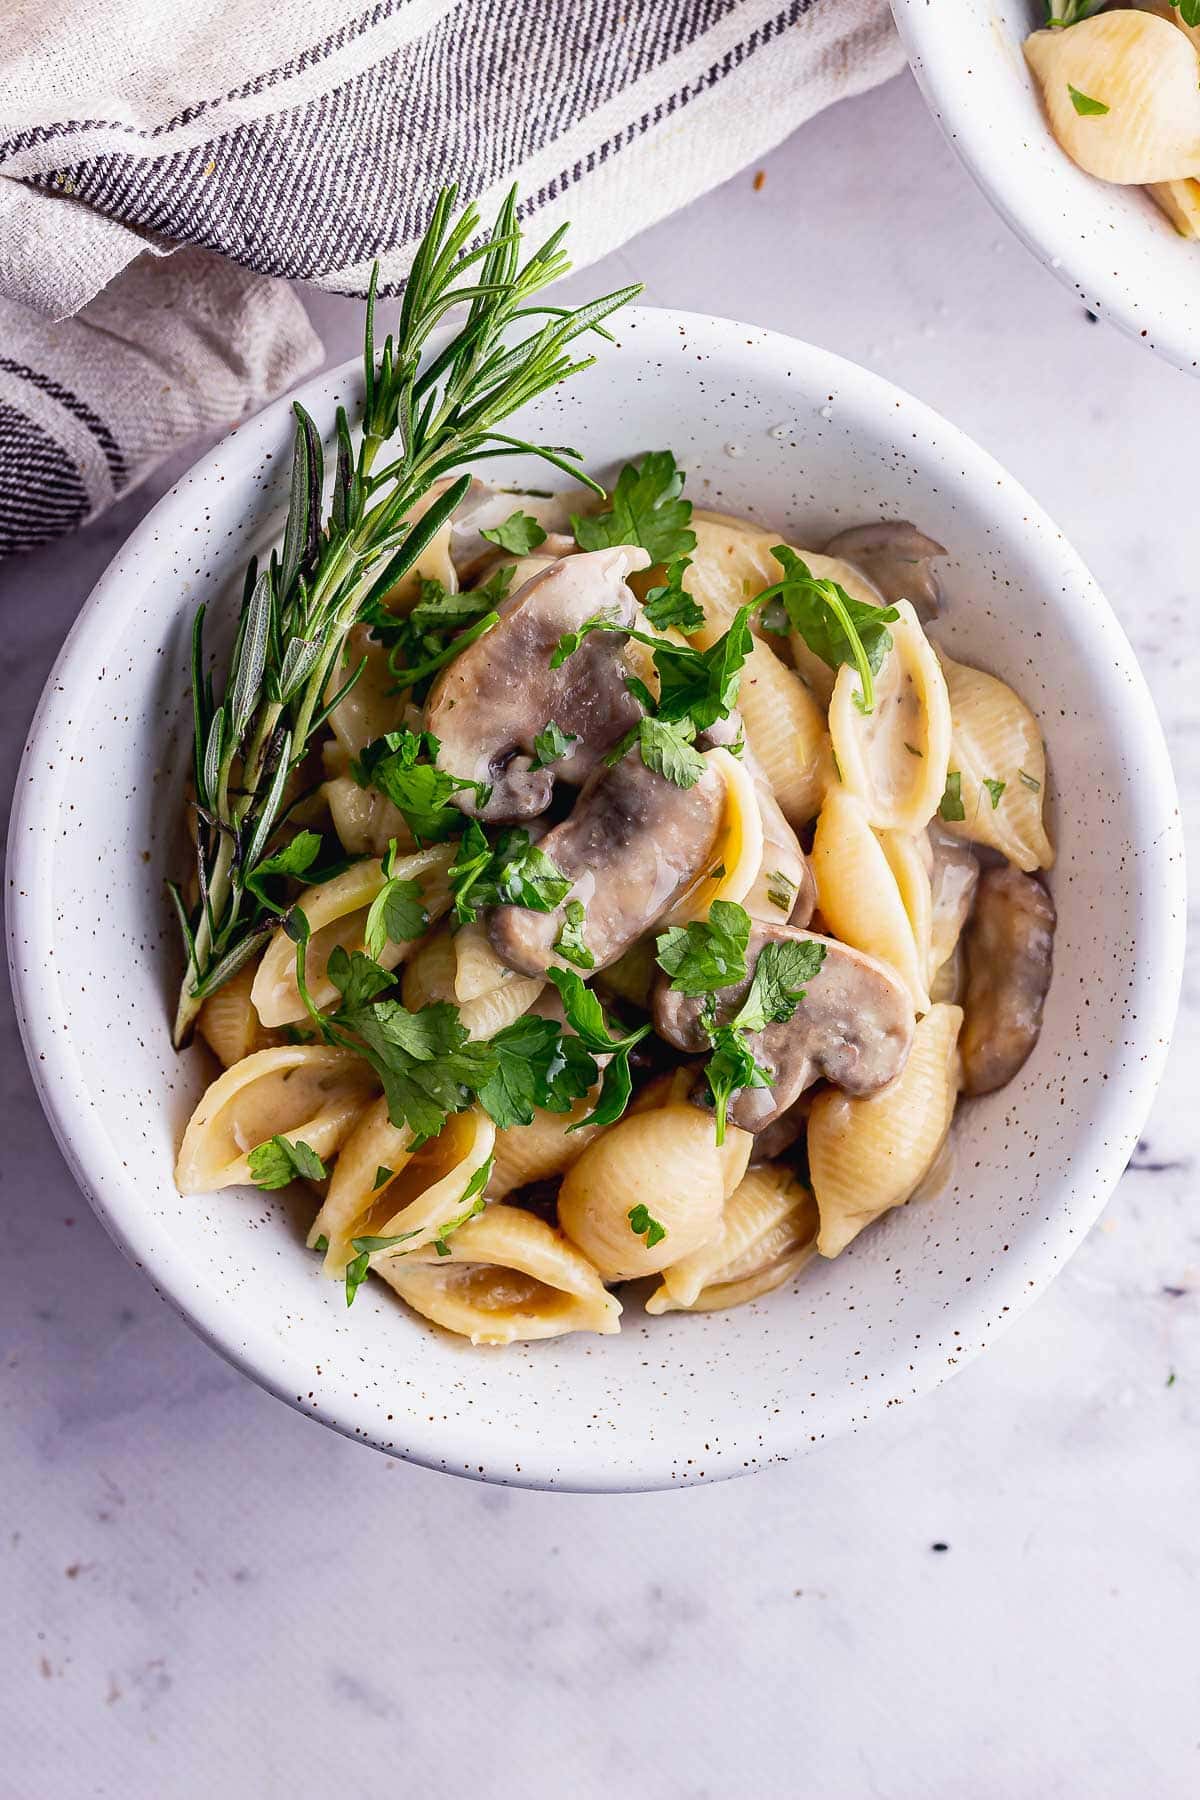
<point>633,842</point>
<point>897,559</point>
<point>1010,957</point>
<point>854,1026</point>
<point>488,705</point>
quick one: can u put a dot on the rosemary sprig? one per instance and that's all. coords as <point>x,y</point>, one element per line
<point>297,611</point>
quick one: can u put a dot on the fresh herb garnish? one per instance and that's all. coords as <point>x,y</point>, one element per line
<point>646,509</point>
<point>775,991</point>
<point>709,953</point>
<point>440,626</point>
<point>447,410</point>
<point>1070,12</point>
<point>585,1015</point>
<point>402,766</point>
<point>667,748</point>
<point>951,805</point>
<point>551,744</point>
<point>570,944</point>
<point>781,891</point>
<point>280,1161</point>
<point>472,1192</point>
<point>1034,786</point>
<point>1189,10</point>
<point>672,605</point>
<point>382,1176</point>
<point>359,1267</point>
<point>293,859</point>
<point>511,872</point>
<point>643,1226</point>
<point>321,1244</point>
<point>397,914</point>
<point>1084,105</point>
<point>520,534</point>
<point>835,626</point>
<point>995,789</point>
<point>535,1064</point>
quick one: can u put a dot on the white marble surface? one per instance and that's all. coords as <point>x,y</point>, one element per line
<point>993,1594</point>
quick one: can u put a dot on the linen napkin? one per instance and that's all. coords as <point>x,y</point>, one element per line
<point>165,170</point>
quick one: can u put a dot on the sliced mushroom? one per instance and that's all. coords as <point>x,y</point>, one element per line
<point>633,843</point>
<point>489,704</point>
<point>854,1026</point>
<point>897,559</point>
<point>487,507</point>
<point>1010,952</point>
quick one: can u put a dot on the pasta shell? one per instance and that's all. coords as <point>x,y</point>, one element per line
<point>337,914</point>
<point>439,965</point>
<point>738,852</point>
<point>769,1230</point>
<point>1173,17</point>
<point>299,1091</point>
<point>1180,200</point>
<point>536,1152</point>
<point>509,1278</point>
<point>1145,72</point>
<point>365,820</point>
<point>895,758</point>
<point>859,896</point>
<point>667,1161</point>
<point>372,707</point>
<point>996,737</point>
<point>868,1155</point>
<point>428,977</point>
<point>354,1197</point>
<point>426,1193</point>
<point>229,1024</point>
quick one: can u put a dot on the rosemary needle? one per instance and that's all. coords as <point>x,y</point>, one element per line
<point>444,412</point>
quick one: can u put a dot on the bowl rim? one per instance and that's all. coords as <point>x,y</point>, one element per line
<point>1078,262</point>
<point>43,1016</point>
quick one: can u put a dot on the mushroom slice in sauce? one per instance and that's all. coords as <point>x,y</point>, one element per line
<point>486,507</point>
<point>1010,952</point>
<point>897,559</point>
<point>632,844</point>
<point>487,707</point>
<point>854,1026</point>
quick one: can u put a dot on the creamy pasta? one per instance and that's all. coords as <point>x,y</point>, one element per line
<point>661,887</point>
<point>1121,86</point>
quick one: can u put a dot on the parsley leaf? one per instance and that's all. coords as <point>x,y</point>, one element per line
<point>995,789</point>
<point>731,1066</point>
<point>666,747</point>
<point>646,509</point>
<point>402,766</point>
<point>775,991</point>
<point>519,534</point>
<point>512,872</point>
<point>439,626</point>
<point>570,641</point>
<point>279,1161</point>
<point>382,1176</point>
<point>294,859</point>
<point>702,685</point>
<point>397,914</point>
<point>643,1226</point>
<point>570,944</point>
<point>356,977</point>
<point>951,805</point>
<point>535,1065</point>
<point>1189,10</point>
<point>835,626</point>
<point>707,954</point>
<point>551,744</point>
<point>585,1015</point>
<point>671,604</point>
<point>1084,105</point>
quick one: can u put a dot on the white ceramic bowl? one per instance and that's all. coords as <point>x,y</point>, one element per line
<point>677,1399</point>
<point>1110,245</point>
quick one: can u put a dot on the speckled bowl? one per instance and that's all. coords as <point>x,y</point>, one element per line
<point>1110,245</point>
<point>799,439</point>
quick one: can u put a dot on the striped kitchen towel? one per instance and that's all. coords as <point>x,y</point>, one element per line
<point>161,163</point>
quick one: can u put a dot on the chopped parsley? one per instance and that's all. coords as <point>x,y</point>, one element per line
<point>672,605</point>
<point>775,991</point>
<point>570,944</point>
<point>709,953</point>
<point>995,789</point>
<point>646,509</point>
<point>294,859</point>
<point>1084,105</point>
<point>585,1015</point>
<point>551,744</point>
<point>397,914</point>
<point>519,535</point>
<point>666,747</point>
<point>439,626</point>
<point>280,1161</point>
<point>1071,12</point>
<point>513,871</point>
<point>382,1176</point>
<point>951,805</point>
<point>643,1226</point>
<point>402,765</point>
<point>835,626</point>
<point>472,1192</point>
<point>535,1064</point>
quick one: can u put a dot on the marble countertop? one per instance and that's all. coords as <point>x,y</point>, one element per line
<point>992,1594</point>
